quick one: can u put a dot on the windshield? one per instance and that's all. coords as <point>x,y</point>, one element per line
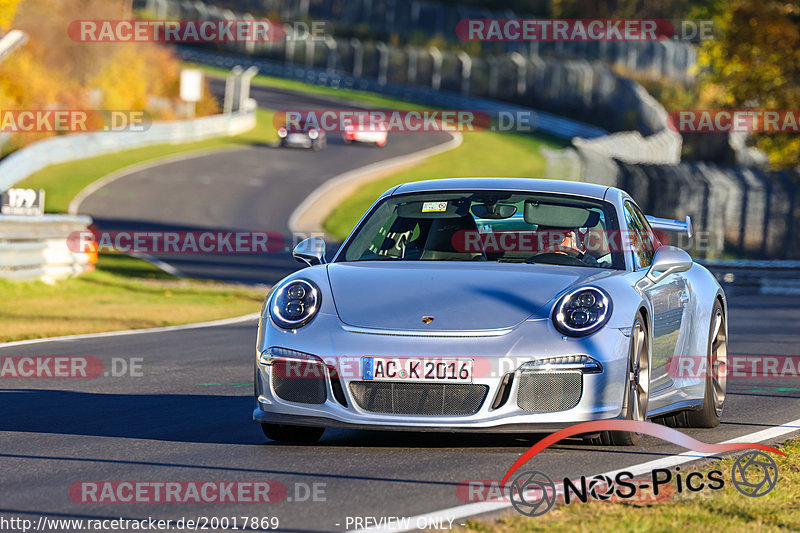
<point>489,226</point>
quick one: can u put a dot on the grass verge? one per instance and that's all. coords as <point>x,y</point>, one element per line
<point>123,293</point>
<point>705,511</point>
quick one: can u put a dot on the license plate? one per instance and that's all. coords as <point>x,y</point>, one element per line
<point>298,138</point>
<point>416,369</point>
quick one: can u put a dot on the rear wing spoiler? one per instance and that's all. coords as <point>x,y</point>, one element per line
<point>667,224</point>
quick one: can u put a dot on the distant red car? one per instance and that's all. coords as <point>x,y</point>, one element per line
<point>360,133</point>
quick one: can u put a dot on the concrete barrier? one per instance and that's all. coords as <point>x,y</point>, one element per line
<point>35,248</point>
<point>54,150</point>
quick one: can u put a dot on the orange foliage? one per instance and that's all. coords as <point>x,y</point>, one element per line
<point>54,72</point>
<point>8,9</point>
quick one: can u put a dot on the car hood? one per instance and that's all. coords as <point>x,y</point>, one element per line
<point>460,296</point>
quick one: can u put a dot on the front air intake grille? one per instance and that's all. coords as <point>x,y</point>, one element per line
<point>545,392</point>
<point>503,391</point>
<point>418,398</point>
<point>299,381</point>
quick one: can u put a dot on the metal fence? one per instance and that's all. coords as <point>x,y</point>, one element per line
<point>744,212</point>
<point>765,277</point>
<point>584,90</point>
<point>546,122</point>
<point>670,59</point>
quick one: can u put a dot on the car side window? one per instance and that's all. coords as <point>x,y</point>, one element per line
<point>641,239</point>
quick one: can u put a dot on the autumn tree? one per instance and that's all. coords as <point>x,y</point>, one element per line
<point>753,62</point>
<point>8,9</point>
<point>54,72</point>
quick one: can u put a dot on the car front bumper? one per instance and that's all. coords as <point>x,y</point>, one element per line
<point>601,394</point>
<point>299,140</point>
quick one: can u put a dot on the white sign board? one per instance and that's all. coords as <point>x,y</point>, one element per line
<point>191,85</point>
<point>25,202</point>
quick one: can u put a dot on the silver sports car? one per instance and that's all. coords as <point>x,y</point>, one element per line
<point>493,304</point>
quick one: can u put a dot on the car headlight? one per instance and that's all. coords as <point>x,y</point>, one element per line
<point>582,312</point>
<point>295,304</point>
<point>313,134</point>
<point>282,132</point>
<point>270,355</point>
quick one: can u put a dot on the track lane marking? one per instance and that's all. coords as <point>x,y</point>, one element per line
<point>163,329</point>
<point>472,509</point>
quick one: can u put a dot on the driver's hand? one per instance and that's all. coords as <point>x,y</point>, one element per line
<point>589,260</point>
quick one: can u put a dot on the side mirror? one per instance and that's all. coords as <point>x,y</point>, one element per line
<point>668,260</point>
<point>310,251</point>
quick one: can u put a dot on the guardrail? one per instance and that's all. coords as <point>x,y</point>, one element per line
<point>585,90</point>
<point>35,248</point>
<point>553,124</point>
<point>51,151</point>
<point>765,277</point>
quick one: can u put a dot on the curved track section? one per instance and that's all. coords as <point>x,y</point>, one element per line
<point>187,417</point>
<point>251,189</point>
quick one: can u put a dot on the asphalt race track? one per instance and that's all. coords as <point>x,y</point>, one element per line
<point>187,417</point>
<point>252,189</point>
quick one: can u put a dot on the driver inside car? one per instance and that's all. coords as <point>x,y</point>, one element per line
<point>571,245</point>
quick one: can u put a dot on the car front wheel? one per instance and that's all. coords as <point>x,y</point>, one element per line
<point>637,386</point>
<point>709,414</point>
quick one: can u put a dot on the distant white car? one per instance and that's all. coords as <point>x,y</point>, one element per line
<point>359,133</point>
<point>302,135</point>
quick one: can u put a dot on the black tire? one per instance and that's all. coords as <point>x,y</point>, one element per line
<point>674,420</point>
<point>710,413</point>
<point>284,433</point>
<point>636,409</point>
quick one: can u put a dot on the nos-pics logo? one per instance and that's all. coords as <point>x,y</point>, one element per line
<point>534,493</point>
